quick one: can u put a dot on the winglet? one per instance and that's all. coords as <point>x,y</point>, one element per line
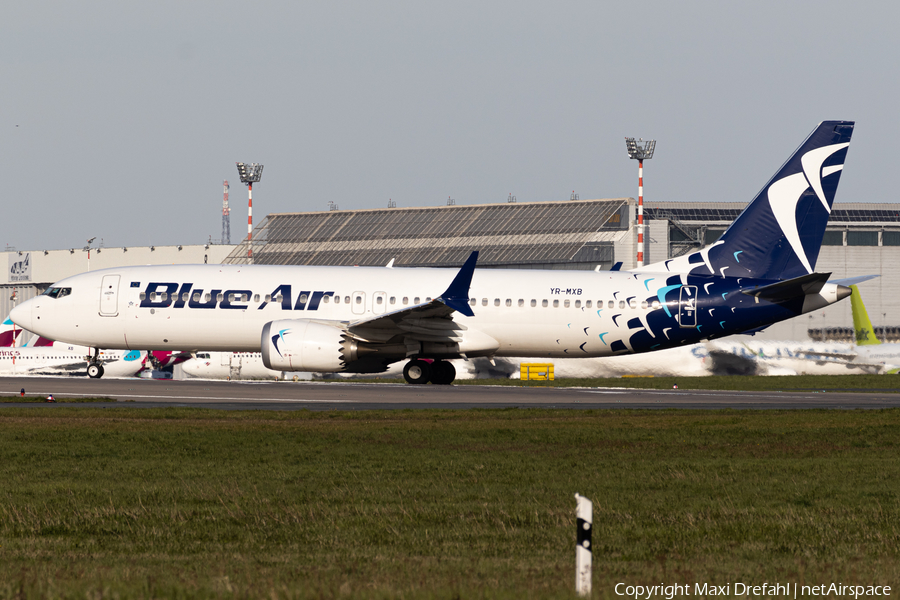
<point>457,295</point>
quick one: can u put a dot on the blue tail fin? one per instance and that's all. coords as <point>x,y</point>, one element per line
<point>779,234</point>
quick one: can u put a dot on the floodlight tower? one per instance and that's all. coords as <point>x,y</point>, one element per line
<point>640,150</point>
<point>249,174</point>
<point>226,217</point>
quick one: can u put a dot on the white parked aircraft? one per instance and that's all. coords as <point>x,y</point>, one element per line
<point>228,365</point>
<point>352,319</point>
<point>70,359</point>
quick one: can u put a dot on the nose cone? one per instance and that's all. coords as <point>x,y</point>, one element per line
<point>21,315</point>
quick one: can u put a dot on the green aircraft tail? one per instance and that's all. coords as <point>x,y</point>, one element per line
<point>862,326</point>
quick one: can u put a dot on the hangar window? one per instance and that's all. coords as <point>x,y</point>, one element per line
<point>890,238</point>
<point>544,303</point>
<point>862,238</point>
<point>533,302</point>
<point>833,238</point>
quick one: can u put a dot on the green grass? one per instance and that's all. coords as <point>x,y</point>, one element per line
<point>43,399</point>
<point>196,503</point>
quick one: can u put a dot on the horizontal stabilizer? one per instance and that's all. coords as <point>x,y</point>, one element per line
<point>853,280</point>
<point>791,288</point>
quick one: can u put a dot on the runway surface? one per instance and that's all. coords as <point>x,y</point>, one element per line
<point>285,395</point>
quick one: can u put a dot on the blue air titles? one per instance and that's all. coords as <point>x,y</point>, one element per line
<point>173,295</point>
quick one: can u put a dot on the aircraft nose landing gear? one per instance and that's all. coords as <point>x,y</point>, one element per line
<point>438,372</point>
<point>95,369</point>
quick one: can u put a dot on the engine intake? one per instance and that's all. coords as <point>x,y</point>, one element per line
<point>304,345</point>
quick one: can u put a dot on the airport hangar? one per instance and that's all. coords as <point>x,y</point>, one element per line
<point>861,239</point>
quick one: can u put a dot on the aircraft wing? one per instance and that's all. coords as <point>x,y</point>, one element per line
<point>427,322</point>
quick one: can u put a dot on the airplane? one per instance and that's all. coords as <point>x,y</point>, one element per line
<point>363,319</point>
<point>869,353</point>
<point>9,334</point>
<point>69,359</point>
<point>229,365</point>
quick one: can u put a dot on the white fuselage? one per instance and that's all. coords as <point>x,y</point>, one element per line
<point>64,358</point>
<point>228,365</point>
<point>529,313</point>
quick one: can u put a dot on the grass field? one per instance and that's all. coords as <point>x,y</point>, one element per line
<point>190,503</point>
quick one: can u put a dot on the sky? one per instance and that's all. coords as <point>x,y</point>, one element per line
<point>120,120</point>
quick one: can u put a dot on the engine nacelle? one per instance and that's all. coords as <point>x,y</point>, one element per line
<point>303,345</point>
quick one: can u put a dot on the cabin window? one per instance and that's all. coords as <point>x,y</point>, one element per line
<point>544,303</point>
<point>496,301</point>
<point>184,297</point>
<point>358,299</point>
<point>621,304</point>
<point>521,302</point>
<point>230,298</point>
<point>143,296</point>
<point>632,303</point>
<point>393,300</point>
<point>379,300</point>
<point>220,296</point>
<point>209,296</point>
<point>484,301</point>
<point>473,301</point>
<point>612,304</point>
<point>556,304</point>
<point>416,300</point>
<point>337,299</point>
<point>405,300</point>
<point>509,302</point>
<point>578,304</point>
<point>196,297</point>
<point>256,298</point>
<point>326,299</point>
<point>566,303</point>
<point>655,304</point>
<point>587,303</point>
<point>427,299</point>
<point>644,304</point>
<point>533,302</point>
<point>152,296</point>
<point>346,299</point>
<point>304,297</point>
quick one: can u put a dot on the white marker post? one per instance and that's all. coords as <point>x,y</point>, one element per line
<point>583,551</point>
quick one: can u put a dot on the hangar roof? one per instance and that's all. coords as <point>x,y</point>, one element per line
<point>506,234</point>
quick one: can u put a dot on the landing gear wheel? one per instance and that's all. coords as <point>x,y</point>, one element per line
<point>95,371</point>
<point>442,372</point>
<point>417,371</point>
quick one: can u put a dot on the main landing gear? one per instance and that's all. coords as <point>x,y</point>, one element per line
<point>438,372</point>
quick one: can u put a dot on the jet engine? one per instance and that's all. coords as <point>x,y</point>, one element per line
<point>304,345</point>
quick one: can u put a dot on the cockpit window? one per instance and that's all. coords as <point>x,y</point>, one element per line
<point>57,292</point>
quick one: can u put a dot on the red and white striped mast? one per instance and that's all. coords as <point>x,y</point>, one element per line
<point>640,150</point>
<point>249,173</point>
